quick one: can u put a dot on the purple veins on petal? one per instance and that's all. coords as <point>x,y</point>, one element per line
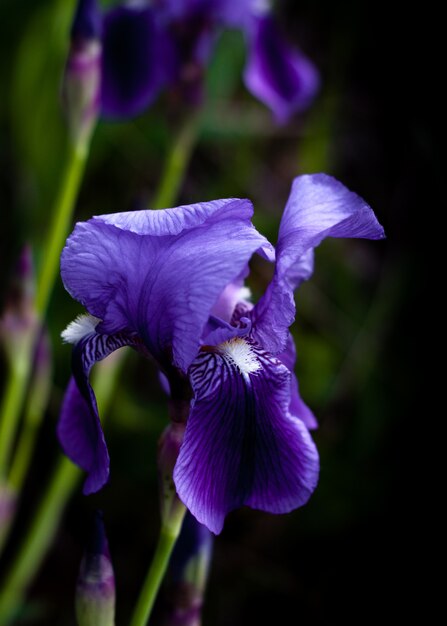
<point>159,273</point>
<point>80,435</point>
<point>79,428</point>
<point>241,444</point>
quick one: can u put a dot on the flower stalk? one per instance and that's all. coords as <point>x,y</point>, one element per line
<point>187,575</point>
<point>38,538</point>
<point>172,514</point>
<point>20,366</point>
<point>166,542</point>
<point>177,162</point>
<point>44,524</point>
<point>18,327</point>
<point>35,408</point>
<point>81,88</point>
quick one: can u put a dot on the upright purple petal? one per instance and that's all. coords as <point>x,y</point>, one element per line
<point>241,444</point>
<point>319,206</point>
<point>79,428</point>
<point>278,75</point>
<point>132,60</point>
<point>159,273</point>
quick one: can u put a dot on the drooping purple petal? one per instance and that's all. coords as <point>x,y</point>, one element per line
<point>278,75</point>
<point>79,428</point>
<point>87,21</point>
<point>80,435</point>
<point>159,273</point>
<point>241,444</point>
<point>297,407</point>
<point>319,206</point>
<point>132,60</point>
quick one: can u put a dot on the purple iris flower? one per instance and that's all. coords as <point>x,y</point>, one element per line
<point>149,46</point>
<point>170,284</point>
<point>133,45</point>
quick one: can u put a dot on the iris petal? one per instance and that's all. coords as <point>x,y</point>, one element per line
<point>132,70</point>
<point>241,444</point>
<point>79,428</point>
<point>319,206</point>
<point>297,406</point>
<point>278,75</point>
<point>159,273</point>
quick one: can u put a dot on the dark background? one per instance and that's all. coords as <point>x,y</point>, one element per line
<point>352,552</point>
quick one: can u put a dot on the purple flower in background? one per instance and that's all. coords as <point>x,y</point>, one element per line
<point>277,74</point>
<point>168,43</point>
<point>170,284</point>
<point>131,63</point>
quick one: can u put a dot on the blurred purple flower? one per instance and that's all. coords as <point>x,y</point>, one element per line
<point>170,284</point>
<point>130,62</point>
<point>149,46</point>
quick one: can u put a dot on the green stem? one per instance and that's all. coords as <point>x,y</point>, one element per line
<point>65,478</point>
<point>38,538</point>
<point>36,404</point>
<point>154,578</point>
<point>62,215</point>
<point>18,375</point>
<point>25,446</point>
<point>20,369</point>
<point>34,411</point>
<point>177,162</point>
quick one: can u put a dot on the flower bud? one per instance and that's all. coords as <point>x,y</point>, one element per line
<point>95,591</point>
<point>18,323</point>
<point>82,78</point>
<point>8,503</point>
<point>40,389</point>
<point>187,575</point>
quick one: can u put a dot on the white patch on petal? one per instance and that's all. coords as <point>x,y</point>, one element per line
<point>261,7</point>
<point>241,354</point>
<point>81,327</point>
<point>244,293</point>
